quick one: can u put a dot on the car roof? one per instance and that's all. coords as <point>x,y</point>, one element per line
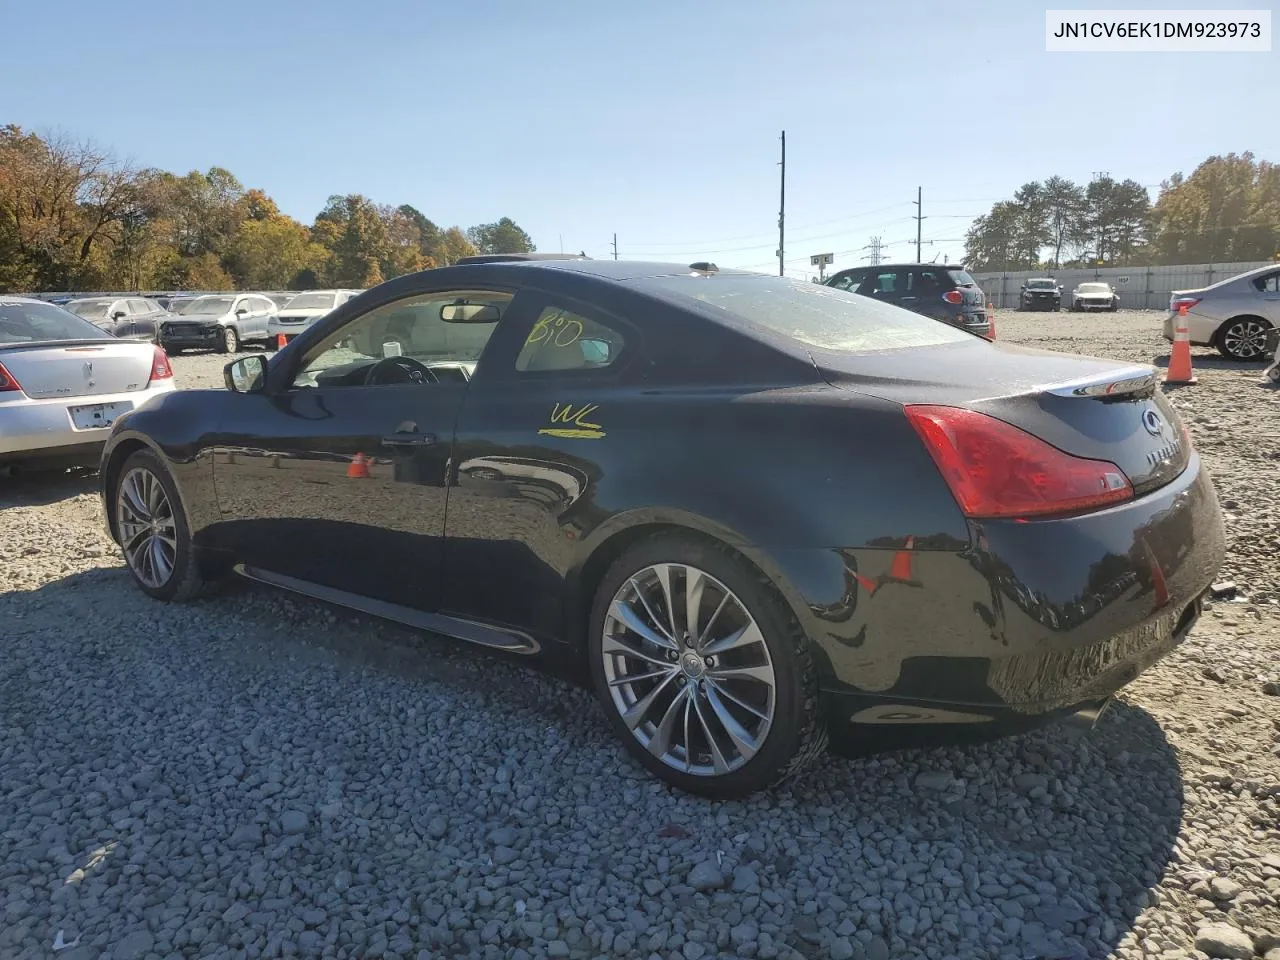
<point>607,269</point>
<point>894,266</point>
<point>515,257</point>
<point>14,298</point>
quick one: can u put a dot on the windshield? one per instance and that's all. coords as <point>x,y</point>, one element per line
<point>809,313</point>
<point>311,301</point>
<point>1094,288</point>
<point>1041,284</point>
<point>206,305</point>
<point>90,309</point>
<point>22,322</point>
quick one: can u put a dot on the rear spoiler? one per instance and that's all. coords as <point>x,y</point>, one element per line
<point>1136,381</point>
<point>41,344</point>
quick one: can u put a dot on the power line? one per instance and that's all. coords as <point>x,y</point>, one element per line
<point>782,205</point>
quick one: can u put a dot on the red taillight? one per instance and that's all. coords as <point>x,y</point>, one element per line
<point>996,470</point>
<point>1187,302</point>
<point>953,296</point>
<point>8,382</point>
<point>160,368</point>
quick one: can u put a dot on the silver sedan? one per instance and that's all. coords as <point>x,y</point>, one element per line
<point>63,381</point>
<point>1233,315</point>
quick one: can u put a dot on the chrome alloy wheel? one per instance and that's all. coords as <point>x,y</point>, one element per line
<point>1245,339</point>
<point>144,519</point>
<point>688,670</point>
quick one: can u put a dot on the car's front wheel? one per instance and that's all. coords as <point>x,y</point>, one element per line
<point>702,669</point>
<point>152,530</point>
<point>1244,338</point>
<point>230,342</point>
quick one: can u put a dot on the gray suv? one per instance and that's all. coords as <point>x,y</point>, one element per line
<point>943,291</point>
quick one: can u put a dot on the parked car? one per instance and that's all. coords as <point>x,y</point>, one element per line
<point>64,381</point>
<point>793,516</point>
<point>220,322</point>
<point>1233,315</point>
<point>304,309</point>
<point>943,291</point>
<point>1094,296</point>
<point>1042,293</point>
<point>130,318</point>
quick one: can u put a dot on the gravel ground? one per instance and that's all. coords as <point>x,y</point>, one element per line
<point>255,775</point>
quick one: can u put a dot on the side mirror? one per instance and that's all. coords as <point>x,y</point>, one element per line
<point>241,311</point>
<point>246,375</point>
<point>118,315</point>
<point>462,312</point>
<point>596,351</point>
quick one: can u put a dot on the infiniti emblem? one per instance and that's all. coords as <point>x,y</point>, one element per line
<point>1153,423</point>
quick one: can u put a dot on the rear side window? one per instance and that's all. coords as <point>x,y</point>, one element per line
<point>34,322</point>
<point>565,341</point>
<point>808,313</point>
<point>960,278</point>
<point>882,281</point>
<point>924,283</point>
<point>1269,284</point>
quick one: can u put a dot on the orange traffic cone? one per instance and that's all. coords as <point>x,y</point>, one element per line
<point>991,321</point>
<point>1180,356</point>
<point>900,569</point>
<point>359,468</point>
<point>1158,585</point>
<point>281,340</point>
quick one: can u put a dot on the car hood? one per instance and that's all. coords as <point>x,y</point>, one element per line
<point>1095,294</point>
<point>198,317</point>
<point>306,314</point>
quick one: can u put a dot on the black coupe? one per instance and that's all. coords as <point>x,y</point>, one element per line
<point>762,515</point>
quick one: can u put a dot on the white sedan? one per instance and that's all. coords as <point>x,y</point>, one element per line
<point>63,381</point>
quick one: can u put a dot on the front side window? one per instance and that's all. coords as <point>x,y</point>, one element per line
<point>564,341</point>
<point>1268,284</point>
<point>443,334</point>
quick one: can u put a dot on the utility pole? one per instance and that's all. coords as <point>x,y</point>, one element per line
<point>782,206</point>
<point>919,219</point>
<point>615,246</point>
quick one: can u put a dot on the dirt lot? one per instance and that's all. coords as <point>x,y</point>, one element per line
<point>255,775</point>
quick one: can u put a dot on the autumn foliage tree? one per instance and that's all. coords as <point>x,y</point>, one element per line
<point>74,218</point>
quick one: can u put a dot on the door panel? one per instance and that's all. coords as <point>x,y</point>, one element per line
<point>529,455</point>
<point>343,487</point>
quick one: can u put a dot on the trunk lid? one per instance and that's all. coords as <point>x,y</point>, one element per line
<point>79,368</point>
<point>1084,406</point>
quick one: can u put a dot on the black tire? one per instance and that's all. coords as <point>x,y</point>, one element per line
<point>186,581</point>
<point>797,736</point>
<point>229,340</point>
<point>1243,339</point>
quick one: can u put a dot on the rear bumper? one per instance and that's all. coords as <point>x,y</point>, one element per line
<point>1199,328</point>
<point>33,430</point>
<point>1025,623</point>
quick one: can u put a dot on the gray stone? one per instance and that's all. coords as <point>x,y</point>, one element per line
<point>293,822</point>
<point>1223,941</point>
<point>437,827</point>
<point>933,780</point>
<point>133,946</point>
<point>504,855</point>
<point>1222,888</point>
<point>249,835</point>
<point>707,875</point>
<point>745,880</point>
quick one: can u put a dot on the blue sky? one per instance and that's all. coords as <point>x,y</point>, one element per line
<point>659,121</point>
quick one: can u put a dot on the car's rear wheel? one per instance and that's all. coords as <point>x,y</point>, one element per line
<point>153,532</point>
<point>1243,338</point>
<point>230,342</point>
<point>703,671</point>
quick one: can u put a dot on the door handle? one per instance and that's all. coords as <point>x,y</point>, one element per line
<point>409,440</point>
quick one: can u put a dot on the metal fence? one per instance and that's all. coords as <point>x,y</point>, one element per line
<point>1139,288</point>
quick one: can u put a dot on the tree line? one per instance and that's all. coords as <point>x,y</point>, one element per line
<point>1227,210</point>
<point>72,217</point>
